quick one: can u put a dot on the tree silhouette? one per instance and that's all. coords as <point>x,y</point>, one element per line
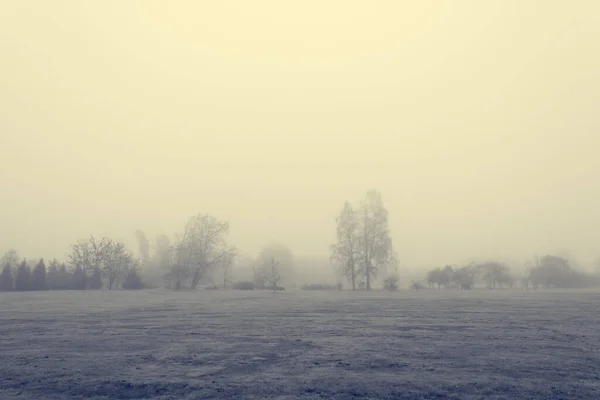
<point>38,277</point>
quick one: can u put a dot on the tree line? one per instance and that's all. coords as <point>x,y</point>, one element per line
<point>549,271</point>
<point>92,264</point>
<point>362,252</point>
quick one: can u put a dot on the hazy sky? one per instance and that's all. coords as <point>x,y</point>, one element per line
<point>477,120</point>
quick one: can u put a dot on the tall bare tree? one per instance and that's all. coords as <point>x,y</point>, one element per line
<point>81,258</point>
<point>199,249</point>
<point>344,253</point>
<point>117,262</point>
<point>374,240</point>
<point>10,258</point>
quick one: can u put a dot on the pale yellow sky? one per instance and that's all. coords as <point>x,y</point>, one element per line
<point>477,120</point>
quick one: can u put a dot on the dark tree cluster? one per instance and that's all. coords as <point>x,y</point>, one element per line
<point>556,272</point>
<point>53,277</point>
<point>492,273</point>
<point>548,272</point>
<point>92,263</point>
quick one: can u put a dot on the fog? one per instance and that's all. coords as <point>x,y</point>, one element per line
<point>477,122</point>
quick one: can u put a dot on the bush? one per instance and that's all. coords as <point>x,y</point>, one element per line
<point>390,283</point>
<point>244,285</point>
<point>133,281</point>
<point>318,286</point>
<point>417,286</point>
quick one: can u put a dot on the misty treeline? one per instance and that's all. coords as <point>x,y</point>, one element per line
<point>201,255</point>
<point>92,264</point>
<point>548,271</point>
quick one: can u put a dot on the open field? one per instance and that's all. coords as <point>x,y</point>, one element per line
<point>213,344</point>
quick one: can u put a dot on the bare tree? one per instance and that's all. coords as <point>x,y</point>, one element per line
<point>10,258</point>
<point>116,263</point>
<point>375,242</point>
<point>494,273</point>
<point>81,259</point>
<point>201,248</point>
<point>271,273</point>
<point>285,259</point>
<point>344,252</point>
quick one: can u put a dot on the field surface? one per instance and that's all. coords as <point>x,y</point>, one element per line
<point>300,345</point>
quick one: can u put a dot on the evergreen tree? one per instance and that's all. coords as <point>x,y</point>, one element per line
<point>23,279</point>
<point>52,276</point>
<point>38,277</point>
<point>96,281</point>
<point>78,279</point>
<point>64,279</point>
<point>7,283</point>
<point>133,281</point>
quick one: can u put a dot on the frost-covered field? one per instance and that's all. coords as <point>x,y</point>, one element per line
<point>228,345</point>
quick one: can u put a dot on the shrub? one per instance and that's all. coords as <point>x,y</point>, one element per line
<point>390,283</point>
<point>417,286</point>
<point>244,285</point>
<point>133,281</point>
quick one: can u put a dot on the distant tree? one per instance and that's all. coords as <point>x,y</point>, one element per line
<point>446,276</point>
<point>78,280</point>
<point>285,259</point>
<point>465,277</point>
<point>133,281</point>
<point>7,282</point>
<point>440,277</point>
<point>375,242</point>
<point>82,258</point>
<point>23,279</point>
<point>271,272</point>
<point>116,262</point>
<point>553,271</point>
<point>434,277</point>
<point>52,275</point>
<point>10,258</point>
<point>95,281</point>
<point>200,249</point>
<point>38,277</point>
<point>64,277</point>
<point>495,274</point>
<point>345,252</point>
